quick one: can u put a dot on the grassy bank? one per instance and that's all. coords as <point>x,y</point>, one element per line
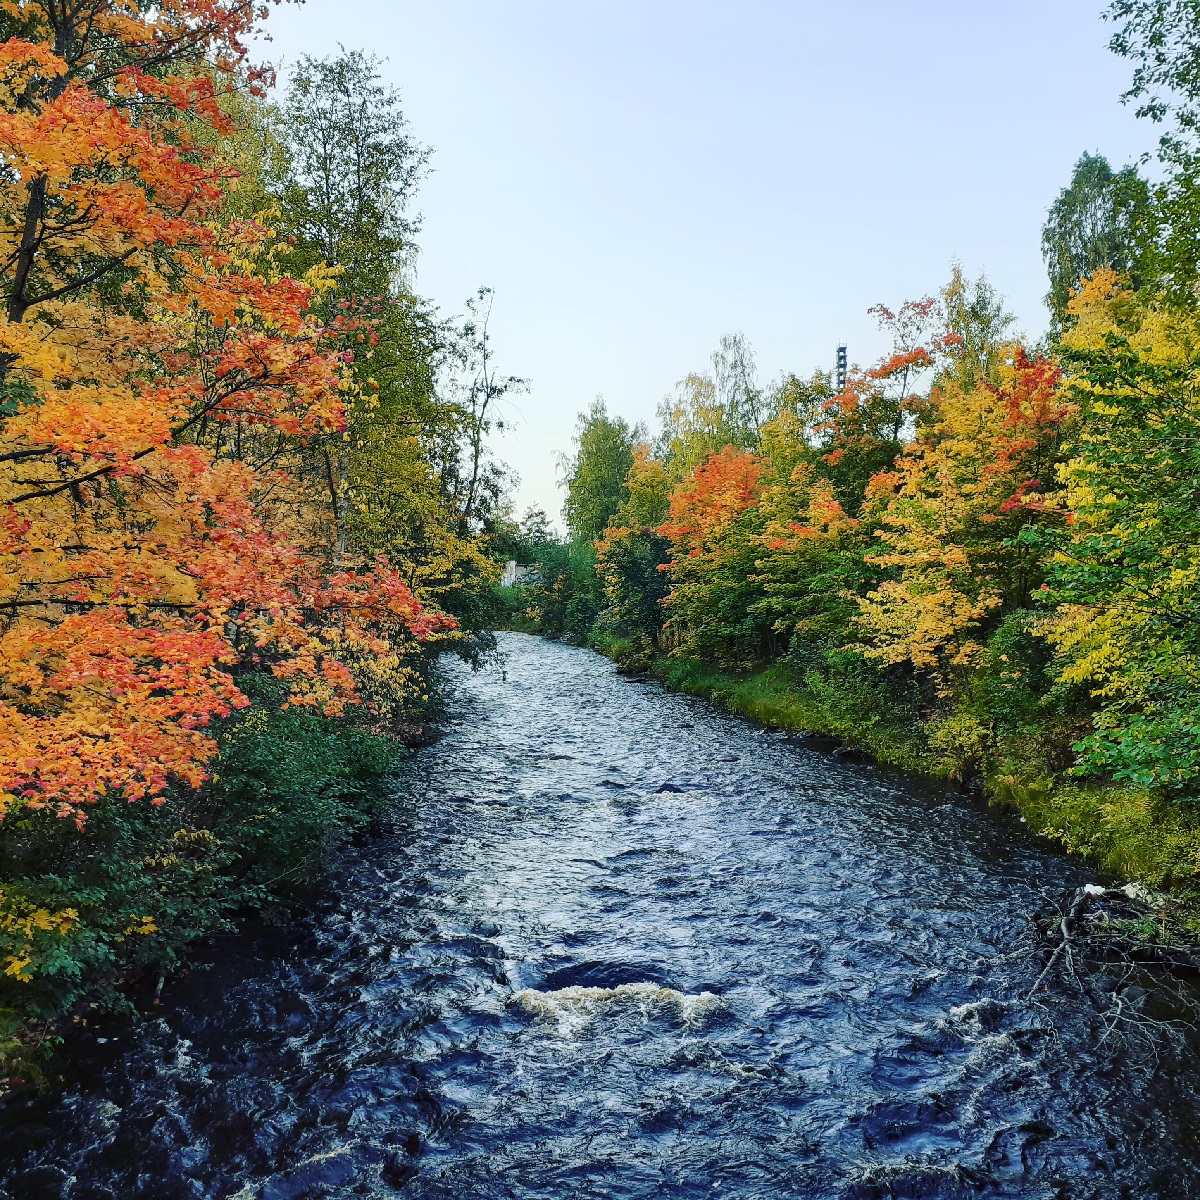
<point>1128,835</point>
<point>777,698</point>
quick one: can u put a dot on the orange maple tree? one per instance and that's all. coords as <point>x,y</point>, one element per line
<point>711,550</point>
<point>158,531</point>
<point>704,505</point>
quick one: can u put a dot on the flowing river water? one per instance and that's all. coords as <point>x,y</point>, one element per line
<point>616,944</point>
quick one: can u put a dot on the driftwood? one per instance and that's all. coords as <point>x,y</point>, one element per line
<point>1126,952</point>
<point>1063,950</point>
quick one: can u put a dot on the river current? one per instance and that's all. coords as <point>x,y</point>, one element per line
<point>613,943</point>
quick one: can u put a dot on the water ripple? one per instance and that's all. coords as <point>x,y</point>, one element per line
<point>615,944</point>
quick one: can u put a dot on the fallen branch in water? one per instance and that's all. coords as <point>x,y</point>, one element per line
<point>1066,929</point>
<point>1129,954</point>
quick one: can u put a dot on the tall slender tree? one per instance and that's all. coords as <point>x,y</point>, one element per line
<point>1095,223</point>
<point>596,473</point>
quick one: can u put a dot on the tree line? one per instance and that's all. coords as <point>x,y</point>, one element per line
<point>979,557</point>
<point>245,487</point>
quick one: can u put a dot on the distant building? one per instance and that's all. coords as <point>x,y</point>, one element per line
<point>515,575</point>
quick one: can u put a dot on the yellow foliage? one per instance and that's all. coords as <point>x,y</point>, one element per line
<point>20,923</point>
<point>948,515</point>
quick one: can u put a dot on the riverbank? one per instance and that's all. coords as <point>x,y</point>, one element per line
<point>94,918</point>
<point>1129,835</point>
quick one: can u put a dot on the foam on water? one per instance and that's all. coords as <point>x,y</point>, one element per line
<point>573,1007</point>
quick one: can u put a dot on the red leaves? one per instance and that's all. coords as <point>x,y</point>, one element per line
<point>1022,498</point>
<point>916,359</point>
<point>144,557</point>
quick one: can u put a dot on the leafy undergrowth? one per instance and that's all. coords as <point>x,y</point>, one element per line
<point>848,705</point>
<point>511,605</point>
<point>88,914</point>
<point>1127,834</point>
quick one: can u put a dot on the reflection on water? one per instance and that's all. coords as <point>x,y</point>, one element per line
<point>618,945</point>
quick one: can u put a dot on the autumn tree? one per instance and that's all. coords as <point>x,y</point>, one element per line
<point>809,559</point>
<point>1125,574</point>
<point>631,556</point>
<point>950,514</point>
<point>861,430</point>
<point>711,532</point>
<point>161,380</point>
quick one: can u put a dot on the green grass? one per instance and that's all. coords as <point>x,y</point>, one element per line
<point>848,705</point>
<point>1128,834</point>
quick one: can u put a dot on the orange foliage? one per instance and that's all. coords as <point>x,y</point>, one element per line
<point>159,379</point>
<point>703,506</point>
<point>951,508</point>
<point>801,509</point>
<point>863,426</point>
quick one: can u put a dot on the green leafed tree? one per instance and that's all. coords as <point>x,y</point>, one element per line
<point>1095,223</point>
<point>979,325</point>
<point>1161,38</point>
<point>723,406</point>
<point>595,473</point>
<point>411,478</point>
<point>354,169</point>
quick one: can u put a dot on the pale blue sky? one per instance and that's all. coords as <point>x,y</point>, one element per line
<point>636,179</point>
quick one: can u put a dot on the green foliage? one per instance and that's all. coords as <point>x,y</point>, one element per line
<point>1158,749</point>
<point>840,697</point>
<point>810,566</point>
<point>595,474</point>
<point>963,745</point>
<point>1125,575</point>
<point>353,168</point>
<point>1095,223</point>
<point>974,314</point>
<point>512,609</point>
<point>634,585</point>
<point>1128,832</point>
<point>1162,40</point>
<point>567,599</point>
<point>15,394</point>
<point>1014,680</point>
<point>146,881</point>
<point>714,605</point>
<point>334,168</point>
<point>631,559</point>
<point>712,409</point>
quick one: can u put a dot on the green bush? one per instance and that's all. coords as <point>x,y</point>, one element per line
<point>512,608</point>
<point>564,603</point>
<point>146,880</point>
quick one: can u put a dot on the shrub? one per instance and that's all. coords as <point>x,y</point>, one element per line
<point>83,911</point>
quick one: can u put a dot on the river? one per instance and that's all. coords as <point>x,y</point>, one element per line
<point>616,944</point>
